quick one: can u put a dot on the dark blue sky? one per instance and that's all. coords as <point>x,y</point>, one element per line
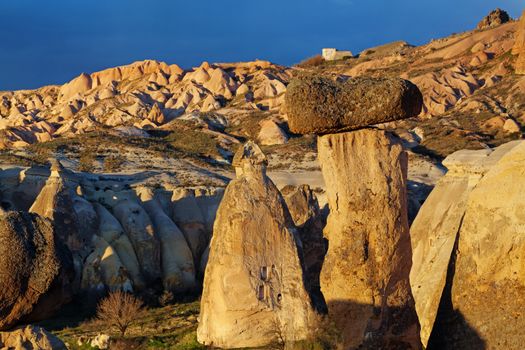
<point>50,42</point>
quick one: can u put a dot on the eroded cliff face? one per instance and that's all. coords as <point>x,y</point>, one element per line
<point>120,236</point>
<point>365,273</point>
<point>254,292</point>
<point>468,252</point>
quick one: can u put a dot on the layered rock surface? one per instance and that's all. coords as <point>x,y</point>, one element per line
<point>320,105</point>
<point>254,293</point>
<point>365,275</point>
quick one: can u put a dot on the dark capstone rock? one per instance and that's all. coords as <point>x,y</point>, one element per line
<point>35,269</point>
<point>319,105</point>
<point>495,18</point>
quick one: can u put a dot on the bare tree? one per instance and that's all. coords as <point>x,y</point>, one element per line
<point>119,310</point>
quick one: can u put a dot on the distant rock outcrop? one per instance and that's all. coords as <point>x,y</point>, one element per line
<point>320,105</point>
<point>494,18</point>
<point>519,46</point>
<point>36,269</point>
<point>156,115</point>
<point>254,293</point>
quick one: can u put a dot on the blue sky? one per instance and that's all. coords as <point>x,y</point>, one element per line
<point>50,42</point>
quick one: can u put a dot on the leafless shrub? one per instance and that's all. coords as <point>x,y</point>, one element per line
<point>119,310</point>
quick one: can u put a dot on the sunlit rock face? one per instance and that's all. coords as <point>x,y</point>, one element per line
<point>253,286</point>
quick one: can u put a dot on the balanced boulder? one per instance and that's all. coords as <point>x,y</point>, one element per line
<point>365,274</point>
<point>319,105</point>
<point>254,292</point>
<point>36,269</point>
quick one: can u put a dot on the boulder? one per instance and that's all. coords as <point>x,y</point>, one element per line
<point>30,338</point>
<point>36,269</point>
<point>365,275</point>
<point>254,292</point>
<point>493,19</point>
<point>319,105</point>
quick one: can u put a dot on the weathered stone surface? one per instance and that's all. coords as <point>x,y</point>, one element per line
<point>488,287</point>
<point>494,18</point>
<point>271,134</point>
<point>519,36</point>
<point>188,217</point>
<point>30,338</point>
<point>113,233</point>
<point>178,267</point>
<point>139,229</point>
<point>253,286</point>
<point>435,234</point>
<point>434,231</point>
<point>310,221</point>
<point>104,265</point>
<point>36,269</point>
<point>55,202</point>
<point>319,105</point>
<point>365,275</point>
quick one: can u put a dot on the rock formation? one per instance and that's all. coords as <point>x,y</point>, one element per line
<point>310,221</point>
<point>254,292</point>
<point>519,36</point>
<point>271,134</point>
<point>156,115</point>
<point>519,47</point>
<point>139,229</point>
<point>365,275</point>
<point>494,18</point>
<point>368,292</point>
<point>30,338</point>
<point>316,104</point>
<point>190,220</point>
<point>55,203</point>
<point>468,224</point>
<point>112,232</point>
<point>177,260</point>
<point>36,269</point>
